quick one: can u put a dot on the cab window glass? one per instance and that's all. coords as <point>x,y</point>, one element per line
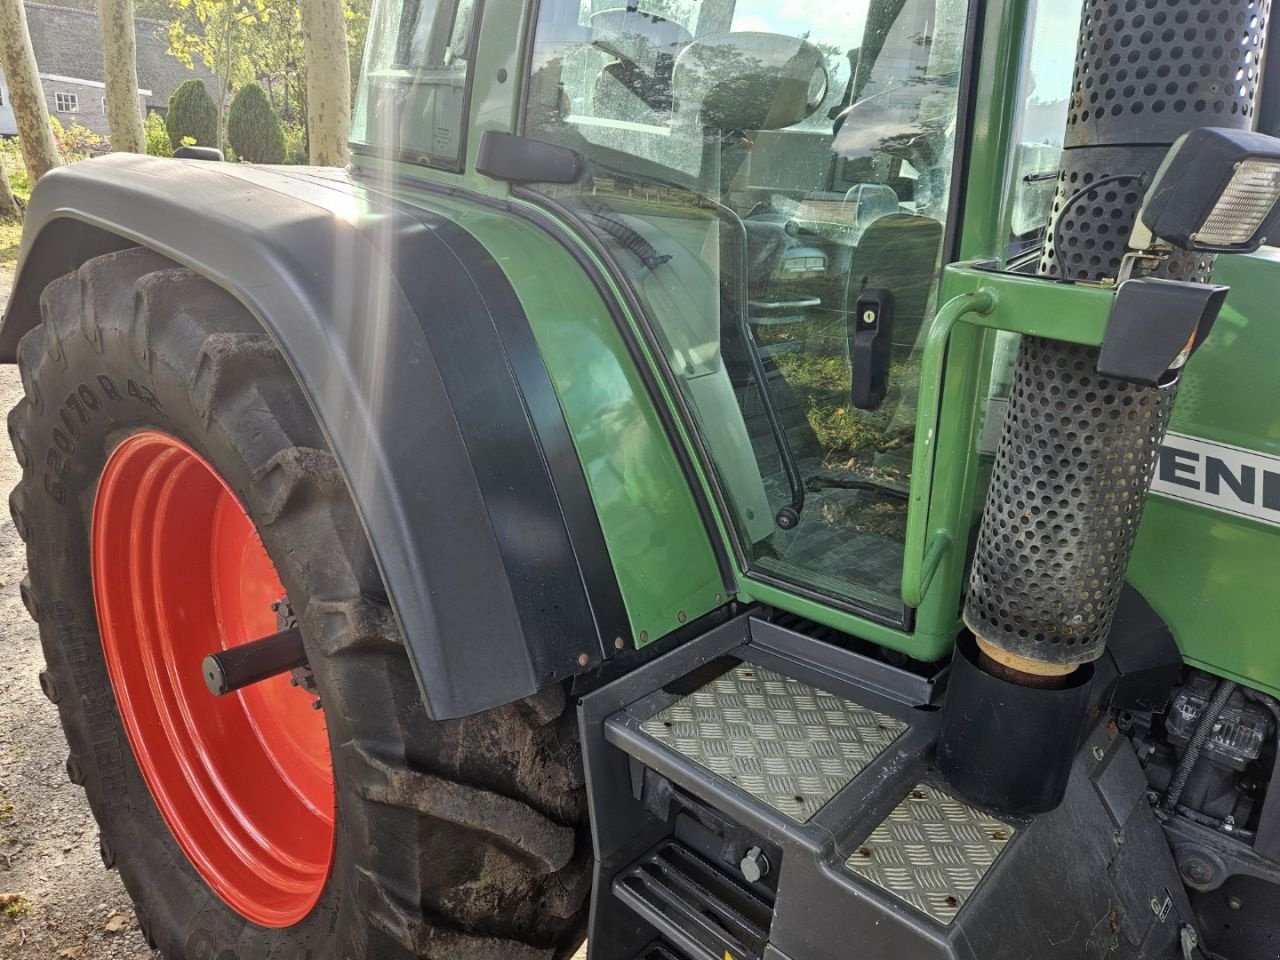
<point>1045,93</point>
<point>758,170</point>
<point>412,97</point>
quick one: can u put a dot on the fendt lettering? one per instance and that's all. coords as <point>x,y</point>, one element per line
<point>571,522</point>
<point>1231,479</point>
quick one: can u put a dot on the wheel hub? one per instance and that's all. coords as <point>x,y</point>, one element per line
<point>244,781</point>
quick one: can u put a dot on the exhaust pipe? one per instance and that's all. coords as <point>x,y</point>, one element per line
<point>1077,449</point>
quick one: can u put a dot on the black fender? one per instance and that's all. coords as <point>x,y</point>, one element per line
<point>419,363</point>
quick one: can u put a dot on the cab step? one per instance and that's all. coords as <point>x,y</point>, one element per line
<point>761,793</point>
<point>696,904</point>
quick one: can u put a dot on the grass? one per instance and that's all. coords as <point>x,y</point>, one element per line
<point>14,906</point>
<point>11,230</point>
<point>849,436</point>
<point>10,240</point>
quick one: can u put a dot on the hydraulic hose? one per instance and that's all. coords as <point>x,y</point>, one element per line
<point>1212,713</point>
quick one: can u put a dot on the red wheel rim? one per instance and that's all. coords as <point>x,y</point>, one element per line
<point>244,781</point>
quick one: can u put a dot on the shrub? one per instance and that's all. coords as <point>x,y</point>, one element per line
<point>295,142</point>
<point>15,166</point>
<point>253,128</point>
<point>157,136</point>
<point>76,142</point>
<point>192,113</point>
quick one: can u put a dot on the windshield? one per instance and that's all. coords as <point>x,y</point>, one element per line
<point>763,171</point>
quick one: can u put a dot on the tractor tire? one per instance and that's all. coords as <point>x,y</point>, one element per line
<point>456,840</point>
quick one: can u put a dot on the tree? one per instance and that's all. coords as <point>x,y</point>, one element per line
<point>253,128</point>
<point>157,136</point>
<point>247,41</point>
<point>324,38</point>
<point>213,36</point>
<point>26,96</point>
<point>120,66</point>
<point>192,113</point>
<point>10,208</point>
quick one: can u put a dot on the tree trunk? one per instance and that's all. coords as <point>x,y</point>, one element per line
<point>10,209</point>
<point>324,41</point>
<point>224,77</point>
<point>25,93</point>
<point>120,64</point>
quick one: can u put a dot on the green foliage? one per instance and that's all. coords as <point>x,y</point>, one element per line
<point>295,142</point>
<point>14,906</point>
<point>157,136</point>
<point>253,127</point>
<point>258,41</point>
<point>192,113</point>
<point>848,436</point>
<point>76,142</point>
<point>15,167</point>
<point>245,41</point>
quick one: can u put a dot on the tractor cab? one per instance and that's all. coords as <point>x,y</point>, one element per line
<point>771,179</point>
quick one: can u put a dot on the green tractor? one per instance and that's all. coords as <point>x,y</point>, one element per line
<point>706,480</point>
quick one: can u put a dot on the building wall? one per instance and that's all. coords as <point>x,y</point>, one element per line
<point>78,103</point>
<point>8,122</point>
<point>81,102</point>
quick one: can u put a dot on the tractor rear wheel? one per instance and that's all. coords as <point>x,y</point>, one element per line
<point>178,498</point>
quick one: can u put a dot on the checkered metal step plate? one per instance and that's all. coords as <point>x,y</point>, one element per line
<point>786,743</point>
<point>931,852</point>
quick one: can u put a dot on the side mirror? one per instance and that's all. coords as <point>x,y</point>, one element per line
<point>750,81</point>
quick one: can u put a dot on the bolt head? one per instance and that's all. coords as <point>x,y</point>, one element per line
<point>618,643</point>
<point>1197,871</point>
<point>755,865</point>
<point>583,659</point>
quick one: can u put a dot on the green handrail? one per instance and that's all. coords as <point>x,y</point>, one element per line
<point>924,550</point>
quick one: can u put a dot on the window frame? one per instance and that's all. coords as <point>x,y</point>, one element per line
<point>62,96</point>
<point>668,395</point>
<point>459,165</point>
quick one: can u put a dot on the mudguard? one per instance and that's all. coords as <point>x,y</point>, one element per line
<point>419,363</point>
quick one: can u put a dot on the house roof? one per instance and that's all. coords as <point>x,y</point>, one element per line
<point>67,43</point>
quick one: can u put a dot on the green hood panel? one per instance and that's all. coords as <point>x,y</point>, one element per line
<point>1208,568</point>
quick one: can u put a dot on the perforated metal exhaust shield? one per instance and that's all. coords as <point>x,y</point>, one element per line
<point>1077,450</point>
<point>1076,455</point>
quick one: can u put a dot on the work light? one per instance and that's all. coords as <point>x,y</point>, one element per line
<point>1216,191</point>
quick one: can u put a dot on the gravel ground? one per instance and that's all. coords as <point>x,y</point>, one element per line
<point>57,902</point>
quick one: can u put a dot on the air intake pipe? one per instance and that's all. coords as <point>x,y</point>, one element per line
<point>1078,449</point>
